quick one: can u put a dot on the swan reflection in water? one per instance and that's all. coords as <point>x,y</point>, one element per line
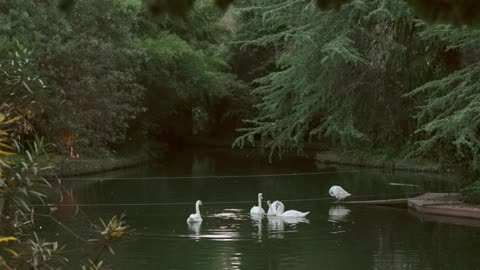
<point>276,225</point>
<point>257,220</point>
<point>338,213</point>
<point>195,228</point>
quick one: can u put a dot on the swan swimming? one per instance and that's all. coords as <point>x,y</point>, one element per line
<point>195,217</point>
<point>258,210</point>
<point>290,213</point>
<point>273,207</point>
<point>338,192</point>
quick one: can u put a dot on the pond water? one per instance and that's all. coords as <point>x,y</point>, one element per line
<point>158,201</point>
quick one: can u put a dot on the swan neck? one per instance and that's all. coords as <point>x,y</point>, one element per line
<point>259,201</point>
<point>197,208</point>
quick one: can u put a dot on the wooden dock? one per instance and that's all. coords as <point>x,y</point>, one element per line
<point>445,204</point>
<point>391,202</point>
<point>440,207</point>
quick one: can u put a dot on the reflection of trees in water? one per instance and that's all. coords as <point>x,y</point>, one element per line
<point>202,165</point>
<point>389,255</point>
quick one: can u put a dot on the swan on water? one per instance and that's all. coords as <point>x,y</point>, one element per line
<point>258,210</point>
<point>338,192</point>
<point>290,213</point>
<point>273,207</point>
<point>195,217</point>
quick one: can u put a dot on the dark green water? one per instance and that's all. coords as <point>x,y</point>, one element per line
<point>333,237</point>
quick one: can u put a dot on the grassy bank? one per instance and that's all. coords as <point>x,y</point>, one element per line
<point>65,167</point>
<point>381,160</point>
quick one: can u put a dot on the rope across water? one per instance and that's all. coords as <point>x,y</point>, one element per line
<point>217,176</point>
<point>215,202</point>
<point>253,176</point>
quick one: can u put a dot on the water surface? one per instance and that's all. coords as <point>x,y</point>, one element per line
<point>332,236</point>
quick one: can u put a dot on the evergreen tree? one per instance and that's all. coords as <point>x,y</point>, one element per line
<point>341,74</point>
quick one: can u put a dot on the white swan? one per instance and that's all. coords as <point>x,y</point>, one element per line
<point>338,192</point>
<point>290,213</point>
<point>195,217</point>
<point>272,207</point>
<point>258,210</point>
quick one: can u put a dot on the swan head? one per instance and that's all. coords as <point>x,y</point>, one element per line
<point>269,203</point>
<point>332,191</point>
<point>199,202</point>
<point>280,208</point>
<point>260,195</point>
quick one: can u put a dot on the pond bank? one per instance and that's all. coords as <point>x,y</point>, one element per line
<point>65,167</point>
<point>379,161</point>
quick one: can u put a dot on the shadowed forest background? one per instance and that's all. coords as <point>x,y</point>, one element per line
<point>105,76</point>
<point>99,79</point>
<point>102,76</point>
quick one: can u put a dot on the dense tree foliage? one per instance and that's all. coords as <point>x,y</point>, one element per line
<point>106,66</point>
<point>448,118</point>
<point>354,74</point>
<point>186,73</point>
<point>88,62</point>
<point>341,74</point>
<point>350,74</point>
<point>368,74</point>
<point>450,11</point>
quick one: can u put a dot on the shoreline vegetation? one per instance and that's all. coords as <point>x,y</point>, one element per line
<point>72,167</point>
<point>371,160</point>
<point>66,167</point>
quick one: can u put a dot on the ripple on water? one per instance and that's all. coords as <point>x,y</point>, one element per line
<point>229,215</point>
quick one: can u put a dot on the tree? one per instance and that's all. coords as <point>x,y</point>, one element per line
<point>341,74</point>
<point>88,55</point>
<point>187,76</point>
<point>448,112</point>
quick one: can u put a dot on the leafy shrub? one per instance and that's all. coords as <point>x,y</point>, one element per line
<point>471,193</point>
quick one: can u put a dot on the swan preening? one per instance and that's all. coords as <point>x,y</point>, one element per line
<point>338,192</point>
<point>258,210</point>
<point>290,213</point>
<point>277,208</point>
<point>273,207</point>
<point>193,218</point>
